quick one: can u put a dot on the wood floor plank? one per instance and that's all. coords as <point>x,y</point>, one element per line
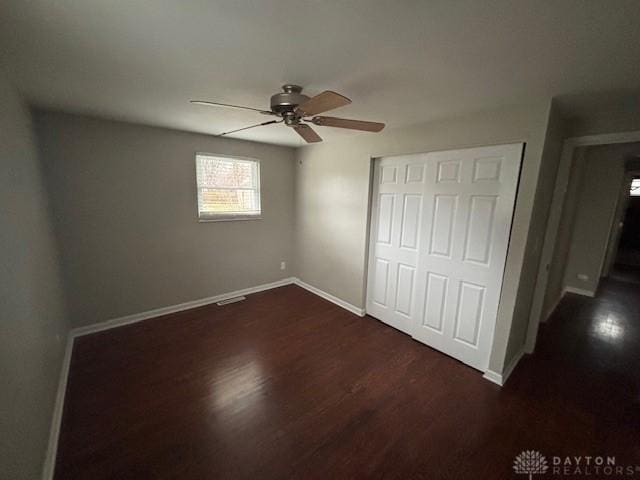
<point>288,385</point>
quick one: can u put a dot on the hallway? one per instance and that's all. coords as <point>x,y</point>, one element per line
<point>625,273</point>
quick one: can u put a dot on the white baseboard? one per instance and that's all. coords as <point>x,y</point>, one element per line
<point>580,291</point>
<point>138,317</point>
<point>333,299</point>
<point>56,419</point>
<point>501,378</point>
<point>493,377</point>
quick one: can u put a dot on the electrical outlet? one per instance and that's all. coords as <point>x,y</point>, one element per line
<point>283,265</point>
<point>583,277</point>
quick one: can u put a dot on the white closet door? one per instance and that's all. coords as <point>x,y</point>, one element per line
<point>466,201</point>
<point>395,239</point>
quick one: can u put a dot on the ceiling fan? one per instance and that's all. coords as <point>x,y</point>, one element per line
<point>297,110</point>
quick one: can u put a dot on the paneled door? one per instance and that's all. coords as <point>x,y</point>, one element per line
<point>395,239</point>
<point>465,199</point>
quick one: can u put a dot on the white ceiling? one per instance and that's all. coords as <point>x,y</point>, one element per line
<point>401,62</point>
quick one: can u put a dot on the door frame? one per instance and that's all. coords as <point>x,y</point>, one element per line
<point>569,146</point>
<point>615,228</point>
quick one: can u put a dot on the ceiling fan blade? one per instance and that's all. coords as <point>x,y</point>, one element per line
<point>251,126</point>
<point>308,133</point>
<point>215,104</point>
<point>323,102</point>
<point>346,123</point>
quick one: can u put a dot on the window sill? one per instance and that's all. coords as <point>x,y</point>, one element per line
<point>229,219</point>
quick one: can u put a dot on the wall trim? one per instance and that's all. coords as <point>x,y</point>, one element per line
<point>580,291</point>
<point>56,419</point>
<point>157,312</point>
<point>493,377</point>
<point>333,299</point>
<point>501,378</point>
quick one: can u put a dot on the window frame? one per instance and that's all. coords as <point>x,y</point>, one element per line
<point>223,217</point>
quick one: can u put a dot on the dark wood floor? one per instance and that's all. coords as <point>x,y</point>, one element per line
<point>625,273</point>
<point>287,385</point>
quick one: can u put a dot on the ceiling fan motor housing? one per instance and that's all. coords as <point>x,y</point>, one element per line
<point>285,102</point>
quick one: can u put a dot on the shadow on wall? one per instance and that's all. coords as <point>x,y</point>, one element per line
<point>33,325</point>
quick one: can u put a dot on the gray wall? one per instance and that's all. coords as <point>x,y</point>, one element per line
<point>597,198</point>
<point>557,267</point>
<point>534,273</point>
<point>332,199</point>
<point>33,323</point>
<point>124,199</point>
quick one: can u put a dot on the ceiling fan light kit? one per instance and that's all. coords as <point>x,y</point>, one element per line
<point>297,110</point>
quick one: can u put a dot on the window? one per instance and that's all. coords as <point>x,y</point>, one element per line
<point>228,188</point>
<point>635,187</point>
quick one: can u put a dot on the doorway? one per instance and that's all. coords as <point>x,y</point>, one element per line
<point>625,258</point>
<point>590,221</point>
